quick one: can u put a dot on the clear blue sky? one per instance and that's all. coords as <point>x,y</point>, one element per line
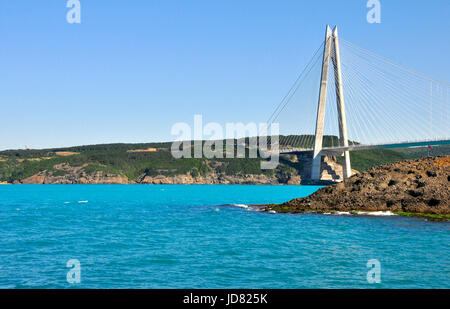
<point>132,68</point>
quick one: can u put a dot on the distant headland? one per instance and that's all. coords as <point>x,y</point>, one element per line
<point>152,163</point>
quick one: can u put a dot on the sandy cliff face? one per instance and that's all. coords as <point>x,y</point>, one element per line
<point>35,179</point>
<point>413,186</point>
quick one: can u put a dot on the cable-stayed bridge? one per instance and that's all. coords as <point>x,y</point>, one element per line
<point>349,99</point>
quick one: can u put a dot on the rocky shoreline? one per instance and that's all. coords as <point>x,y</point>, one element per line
<point>413,187</point>
<point>77,175</point>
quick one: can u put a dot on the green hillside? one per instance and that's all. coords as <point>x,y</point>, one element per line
<point>123,159</point>
<point>366,159</point>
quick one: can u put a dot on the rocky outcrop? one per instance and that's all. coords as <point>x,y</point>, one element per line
<point>212,178</point>
<point>97,178</point>
<point>66,174</point>
<point>413,186</point>
<point>33,180</point>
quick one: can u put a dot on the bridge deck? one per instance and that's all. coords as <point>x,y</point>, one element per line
<point>337,150</point>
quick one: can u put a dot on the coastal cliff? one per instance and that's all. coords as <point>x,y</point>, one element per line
<point>210,179</point>
<point>408,187</point>
<point>220,179</point>
<point>66,174</point>
<point>153,163</point>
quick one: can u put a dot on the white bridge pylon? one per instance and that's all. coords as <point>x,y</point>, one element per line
<point>330,52</point>
<point>385,105</point>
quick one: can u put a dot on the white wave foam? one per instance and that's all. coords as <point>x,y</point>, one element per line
<point>240,206</point>
<point>342,213</point>
<point>376,213</point>
<point>82,202</point>
<point>361,213</point>
<point>245,206</point>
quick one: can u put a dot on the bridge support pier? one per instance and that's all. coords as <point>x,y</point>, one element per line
<point>317,157</point>
<point>343,138</point>
<point>331,50</point>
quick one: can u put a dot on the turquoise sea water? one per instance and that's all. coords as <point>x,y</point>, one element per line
<point>181,237</point>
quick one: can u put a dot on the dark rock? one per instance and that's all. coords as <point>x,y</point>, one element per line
<point>389,187</point>
<point>434,202</point>
<point>431,174</point>
<point>415,193</point>
<point>392,183</point>
<point>420,184</point>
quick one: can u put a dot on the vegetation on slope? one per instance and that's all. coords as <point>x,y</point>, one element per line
<point>366,159</point>
<point>16,165</point>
